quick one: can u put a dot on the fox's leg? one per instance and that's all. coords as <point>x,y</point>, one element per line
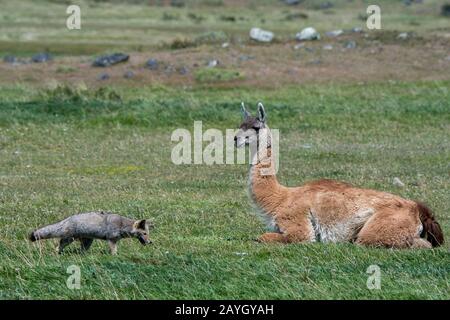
<point>113,246</point>
<point>86,243</point>
<point>64,242</point>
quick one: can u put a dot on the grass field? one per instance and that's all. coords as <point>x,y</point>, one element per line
<point>83,145</point>
<point>63,156</point>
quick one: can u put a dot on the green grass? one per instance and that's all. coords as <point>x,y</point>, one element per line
<point>69,150</point>
<point>212,75</point>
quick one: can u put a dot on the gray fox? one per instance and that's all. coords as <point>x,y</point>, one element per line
<point>94,225</point>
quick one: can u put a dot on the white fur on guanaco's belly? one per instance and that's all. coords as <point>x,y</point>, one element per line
<point>342,231</point>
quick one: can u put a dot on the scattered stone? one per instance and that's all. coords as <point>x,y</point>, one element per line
<point>177,3</point>
<point>260,35</point>
<point>109,60</point>
<point>328,47</point>
<point>398,183</point>
<point>245,57</point>
<point>10,59</point>
<point>41,57</point>
<point>357,29</point>
<point>213,63</point>
<point>334,33</point>
<point>169,69</point>
<point>129,74</point>
<point>308,34</point>
<point>183,70</point>
<point>225,45</point>
<point>103,76</point>
<point>326,5</point>
<point>299,46</point>
<point>309,49</point>
<point>410,2</point>
<point>350,44</point>
<point>292,2</point>
<point>152,64</point>
<point>403,36</point>
<point>445,10</point>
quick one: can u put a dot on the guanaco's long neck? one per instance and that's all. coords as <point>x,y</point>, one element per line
<point>265,189</point>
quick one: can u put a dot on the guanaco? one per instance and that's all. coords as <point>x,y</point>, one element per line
<point>328,210</point>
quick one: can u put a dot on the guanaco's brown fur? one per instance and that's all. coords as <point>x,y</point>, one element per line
<point>333,211</point>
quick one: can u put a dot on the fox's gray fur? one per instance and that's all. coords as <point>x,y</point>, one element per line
<point>94,225</point>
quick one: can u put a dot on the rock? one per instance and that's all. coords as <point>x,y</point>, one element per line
<point>109,60</point>
<point>103,76</point>
<point>445,10</point>
<point>292,2</point>
<point>152,64</point>
<point>260,35</point>
<point>410,2</point>
<point>41,57</point>
<point>334,33</point>
<point>299,46</point>
<point>350,44</point>
<point>10,59</point>
<point>403,36</point>
<point>129,74</point>
<point>326,5</point>
<point>398,183</point>
<point>183,70</point>
<point>308,34</point>
<point>225,45</point>
<point>177,3</point>
<point>245,57</point>
<point>169,70</point>
<point>357,30</point>
<point>328,47</point>
<point>212,63</point>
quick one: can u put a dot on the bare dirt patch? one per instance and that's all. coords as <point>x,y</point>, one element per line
<point>273,65</point>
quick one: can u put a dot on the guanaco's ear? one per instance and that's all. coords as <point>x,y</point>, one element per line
<point>140,224</point>
<point>245,113</point>
<point>261,112</point>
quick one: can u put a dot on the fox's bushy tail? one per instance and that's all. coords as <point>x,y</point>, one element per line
<point>431,229</point>
<point>47,232</point>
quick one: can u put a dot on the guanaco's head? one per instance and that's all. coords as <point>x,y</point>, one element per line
<point>250,127</point>
<point>141,229</point>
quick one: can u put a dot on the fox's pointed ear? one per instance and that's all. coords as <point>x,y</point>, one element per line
<point>261,112</point>
<point>140,224</point>
<point>245,113</point>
